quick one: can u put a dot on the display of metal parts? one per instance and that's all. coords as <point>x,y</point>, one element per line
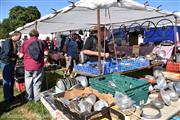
<point>158,103</point>
<point>99,105</point>
<point>161,53</point>
<point>85,106</point>
<point>157,73</point>
<point>83,80</point>
<point>91,99</point>
<point>177,87</point>
<point>161,83</point>
<point>65,84</point>
<point>165,97</point>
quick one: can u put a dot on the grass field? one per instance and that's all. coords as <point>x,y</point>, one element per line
<point>22,110</point>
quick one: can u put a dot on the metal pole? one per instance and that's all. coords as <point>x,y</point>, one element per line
<point>175,36</point>
<point>99,41</point>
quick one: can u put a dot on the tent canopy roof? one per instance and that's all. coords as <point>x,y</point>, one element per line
<point>83,18</point>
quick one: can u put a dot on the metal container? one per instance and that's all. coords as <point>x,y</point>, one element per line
<point>177,57</point>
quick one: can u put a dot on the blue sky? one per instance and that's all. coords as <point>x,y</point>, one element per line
<point>45,6</point>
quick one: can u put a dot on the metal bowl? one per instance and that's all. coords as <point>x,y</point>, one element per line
<point>61,85</point>
<point>158,103</point>
<point>83,80</point>
<point>173,95</point>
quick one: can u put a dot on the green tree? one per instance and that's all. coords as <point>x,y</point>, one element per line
<point>18,16</point>
<point>5,28</point>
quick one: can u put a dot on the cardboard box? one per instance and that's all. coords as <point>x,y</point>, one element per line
<point>104,113</point>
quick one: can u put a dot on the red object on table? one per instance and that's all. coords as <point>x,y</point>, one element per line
<point>173,66</point>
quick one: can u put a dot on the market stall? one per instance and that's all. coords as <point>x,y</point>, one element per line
<point>113,95</point>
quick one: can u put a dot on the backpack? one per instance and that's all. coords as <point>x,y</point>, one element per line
<point>36,50</point>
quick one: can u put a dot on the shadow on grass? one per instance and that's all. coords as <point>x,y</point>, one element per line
<point>18,101</point>
<point>51,77</point>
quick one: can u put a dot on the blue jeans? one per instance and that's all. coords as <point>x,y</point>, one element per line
<point>33,81</point>
<point>8,80</point>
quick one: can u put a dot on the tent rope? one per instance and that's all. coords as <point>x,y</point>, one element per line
<point>105,35</point>
<point>111,30</point>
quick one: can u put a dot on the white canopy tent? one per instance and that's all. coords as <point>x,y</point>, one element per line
<point>74,18</point>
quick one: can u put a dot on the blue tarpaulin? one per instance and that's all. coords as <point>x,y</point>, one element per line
<point>160,34</point>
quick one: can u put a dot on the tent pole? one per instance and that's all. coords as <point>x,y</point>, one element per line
<point>99,42</point>
<point>175,36</point>
<point>36,25</point>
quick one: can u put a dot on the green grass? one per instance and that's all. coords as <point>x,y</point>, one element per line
<point>21,110</point>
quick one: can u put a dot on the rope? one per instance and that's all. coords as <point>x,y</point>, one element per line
<point>112,36</point>
<point>105,34</point>
<point>104,57</point>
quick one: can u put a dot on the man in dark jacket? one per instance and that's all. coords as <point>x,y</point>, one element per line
<point>90,48</point>
<point>8,57</point>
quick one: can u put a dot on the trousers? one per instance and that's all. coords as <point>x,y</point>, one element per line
<point>8,80</point>
<point>33,81</point>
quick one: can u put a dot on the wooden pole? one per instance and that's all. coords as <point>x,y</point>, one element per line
<point>99,42</point>
<point>175,36</point>
<point>36,25</point>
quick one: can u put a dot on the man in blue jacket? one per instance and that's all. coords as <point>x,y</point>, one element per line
<point>8,57</point>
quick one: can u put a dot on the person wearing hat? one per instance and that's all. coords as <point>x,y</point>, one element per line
<point>8,56</point>
<point>34,71</point>
<point>90,48</point>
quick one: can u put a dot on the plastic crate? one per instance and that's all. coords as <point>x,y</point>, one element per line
<point>86,68</point>
<point>173,66</point>
<point>132,87</point>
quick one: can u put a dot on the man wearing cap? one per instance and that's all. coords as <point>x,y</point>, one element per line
<point>90,48</point>
<point>34,71</point>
